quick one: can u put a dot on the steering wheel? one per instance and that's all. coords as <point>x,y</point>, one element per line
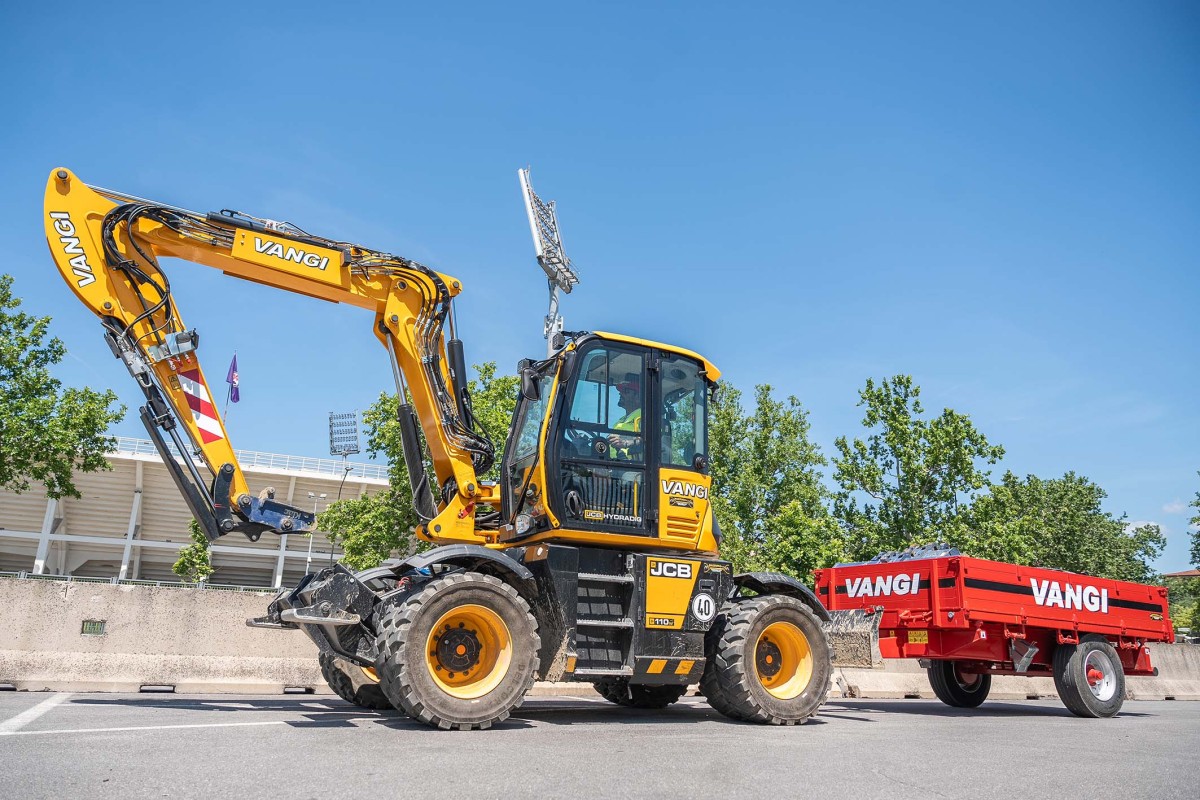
<point>584,443</point>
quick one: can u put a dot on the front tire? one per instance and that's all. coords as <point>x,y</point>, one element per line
<point>637,695</point>
<point>459,653</point>
<point>957,688</point>
<point>366,695</point>
<point>768,661</point>
<point>1089,677</point>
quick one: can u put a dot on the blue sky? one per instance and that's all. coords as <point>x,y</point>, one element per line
<point>1000,201</point>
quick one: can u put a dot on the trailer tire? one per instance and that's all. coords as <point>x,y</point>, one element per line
<point>459,653</point>
<point>638,695</point>
<point>1089,677</point>
<point>768,661</point>
<point>367,695</point>
<point>956,688</point>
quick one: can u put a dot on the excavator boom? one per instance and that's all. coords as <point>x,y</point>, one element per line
<point>107,246</point>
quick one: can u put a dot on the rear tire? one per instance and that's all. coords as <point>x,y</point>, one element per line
<point>1089,677</point>
<point>336,674</point>
<point>768,661</point>
<point>459,653</point>
<point>956,688</point>
<point>637,695</point>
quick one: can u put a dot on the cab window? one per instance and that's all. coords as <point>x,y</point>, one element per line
<point>684,398</point>
<point>605,420</point>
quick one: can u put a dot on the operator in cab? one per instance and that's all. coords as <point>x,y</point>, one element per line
<point>630,402</point>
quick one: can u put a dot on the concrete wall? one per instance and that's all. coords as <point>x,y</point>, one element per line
<point>1178,679</point>
<point>197,641</point>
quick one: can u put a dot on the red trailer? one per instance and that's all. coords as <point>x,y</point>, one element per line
<point>967,619</point>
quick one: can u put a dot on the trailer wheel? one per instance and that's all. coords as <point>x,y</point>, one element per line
<point>638,695</point>
<point>367,695</point>
<point>1089,677</point>
<point>957,688</point>
<point>459,653</point>
<point>768,661</point>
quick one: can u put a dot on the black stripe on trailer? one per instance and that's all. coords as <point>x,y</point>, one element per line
<point>1013,588</point>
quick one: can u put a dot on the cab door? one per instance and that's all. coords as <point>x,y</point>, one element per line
<point>681,452</point>
<point>601,442</point>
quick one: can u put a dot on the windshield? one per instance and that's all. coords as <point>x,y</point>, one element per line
<point>529,419</point>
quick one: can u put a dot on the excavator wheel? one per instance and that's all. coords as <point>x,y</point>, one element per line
<point>623,693</point>
<point>768,661</point>
<point>460,653</point>
<point>366,695</point>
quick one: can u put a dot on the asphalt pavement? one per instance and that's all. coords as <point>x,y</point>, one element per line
<point>303,746</point>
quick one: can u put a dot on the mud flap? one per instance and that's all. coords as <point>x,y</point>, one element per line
<point>854,638</point>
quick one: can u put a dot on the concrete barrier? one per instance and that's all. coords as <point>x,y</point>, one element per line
<point>197,641</point>
<point>1178,679</point>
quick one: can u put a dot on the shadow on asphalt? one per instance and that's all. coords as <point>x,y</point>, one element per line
<point>935,708</point>
<point>330,712</point>
<point>338,713</point>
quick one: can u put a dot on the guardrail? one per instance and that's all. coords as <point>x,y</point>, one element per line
<point>250,458</point>
<point>213,587</point>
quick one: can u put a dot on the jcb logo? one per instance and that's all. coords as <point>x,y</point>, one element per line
<point>670,569</point>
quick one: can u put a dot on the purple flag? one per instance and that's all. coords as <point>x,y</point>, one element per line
<point>232,379</point>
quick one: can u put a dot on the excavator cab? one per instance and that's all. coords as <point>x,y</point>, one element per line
<point>610,440</point>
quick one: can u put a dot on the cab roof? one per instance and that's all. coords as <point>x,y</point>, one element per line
<point>710,370</point>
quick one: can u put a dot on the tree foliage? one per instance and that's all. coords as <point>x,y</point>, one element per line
<point>374,528</point>
<point>46,432</point>
<point>767,493</point>
<point>195,559</point>
<point>1057,523</point>
<point>912,475</point>
<point>1195,523</point>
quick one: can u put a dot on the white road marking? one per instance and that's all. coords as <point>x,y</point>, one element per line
<point>147,728</point>
<point>30,714</point>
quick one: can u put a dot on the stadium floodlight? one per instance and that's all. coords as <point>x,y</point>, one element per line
<point>343,434</point>
<point>548,246</point>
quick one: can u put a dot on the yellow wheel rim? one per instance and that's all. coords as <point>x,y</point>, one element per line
<point>372,676</point>
<point>783,660</point>
<point>468,651</point>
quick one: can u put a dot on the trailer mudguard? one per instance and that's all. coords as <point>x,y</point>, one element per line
<point>777,583</point>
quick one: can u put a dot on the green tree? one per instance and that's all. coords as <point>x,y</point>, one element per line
<point>767,492</point>
<point>1184,597</point>
<point>46,432</point>
<point>195,559</point>
<point>1195,523</point>
<point>912,475</point>
<point>1057,523</point>
<point>371,529</point>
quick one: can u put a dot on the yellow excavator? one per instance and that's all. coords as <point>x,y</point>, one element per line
<point>593,558</point>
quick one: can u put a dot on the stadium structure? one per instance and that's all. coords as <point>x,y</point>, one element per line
<point>132,521</point>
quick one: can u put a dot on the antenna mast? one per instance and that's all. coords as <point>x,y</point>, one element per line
<point>548,246</point>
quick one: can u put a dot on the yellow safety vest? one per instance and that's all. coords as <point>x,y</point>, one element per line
<point>631,422</point>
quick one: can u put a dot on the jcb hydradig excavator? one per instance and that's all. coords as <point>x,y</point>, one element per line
<point>593,558</point>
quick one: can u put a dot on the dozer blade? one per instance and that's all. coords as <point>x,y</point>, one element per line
<point>854,638</point>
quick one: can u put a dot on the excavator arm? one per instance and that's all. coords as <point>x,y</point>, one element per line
<point>107,246</point>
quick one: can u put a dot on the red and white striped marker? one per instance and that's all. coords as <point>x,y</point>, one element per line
<point>204,413</point>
